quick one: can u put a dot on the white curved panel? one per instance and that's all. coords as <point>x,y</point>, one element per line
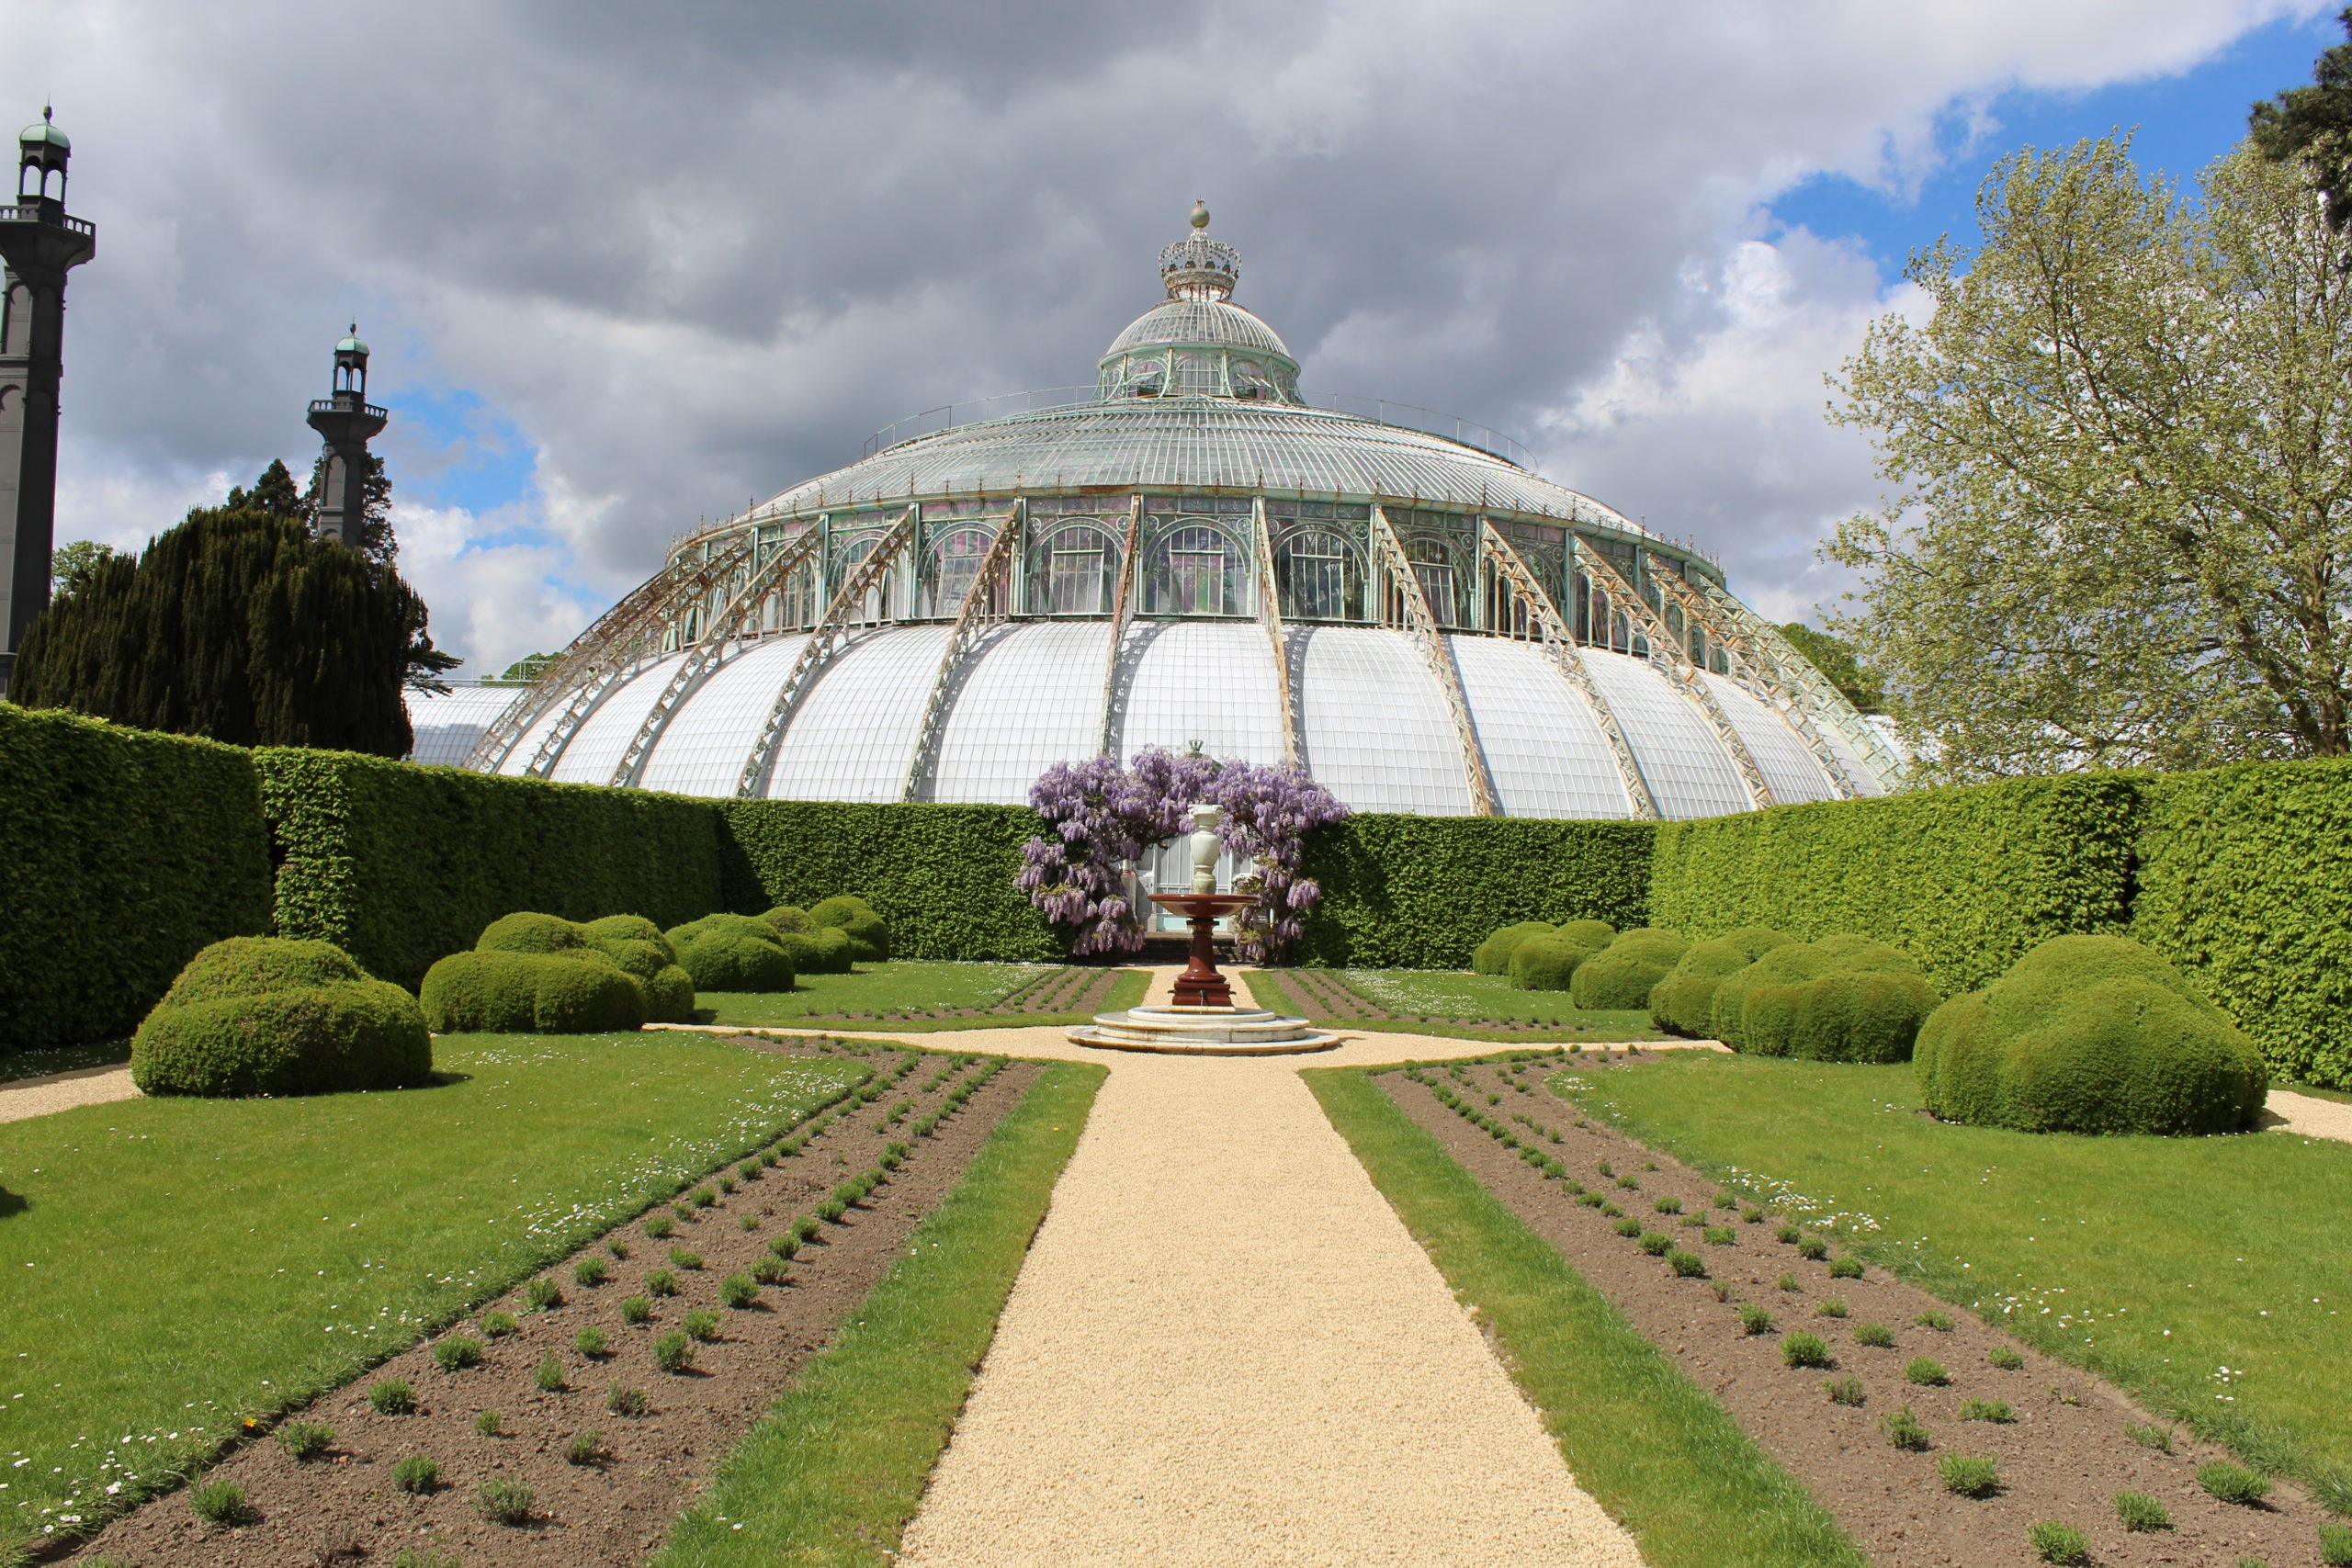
<point>704,747</point>
<point>448,725</point>
<point>604,735</point>
<point>855,730</point>
<point>1373,726</point>
<point>1689,771</point>
<point>1865,781</point>
<point>1787,764</point>
<point>519,759</point>
<point>1545,750</point>
<point>1213,682</point>
<point>1032,696</point>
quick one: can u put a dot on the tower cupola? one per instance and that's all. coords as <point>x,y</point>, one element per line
<point>346,422</point>
<point>1197,343</point>
<point>42,149</point>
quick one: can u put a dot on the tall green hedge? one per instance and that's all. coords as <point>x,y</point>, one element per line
<point>121,853</point>
<point>2245,881</point>
<point>1964,880</point>
<point>1423,892</point>
<point>399,864</point>
<point>941,874</point>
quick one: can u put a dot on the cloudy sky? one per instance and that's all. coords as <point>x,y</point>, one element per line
<point>627,265</point>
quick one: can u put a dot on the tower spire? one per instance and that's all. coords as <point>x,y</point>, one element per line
<point>40,244</point>
<point>348,420</point>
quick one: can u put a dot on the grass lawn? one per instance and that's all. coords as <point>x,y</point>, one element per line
<point>2156,1262</point>
<point>1447,994</point>
<point>171,1267</point>
<point>1652,1447</point>
<point>897,986</point>
<point>836,1469</point>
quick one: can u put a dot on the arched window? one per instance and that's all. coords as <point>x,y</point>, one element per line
<point>955,561</point>
<point>1196,570</point>
<point>1433,566</point>
<point>876,606</point>
<point>1146,377</point>
<point>1196,376</point>
<point>1075,569</point>
<point>1320,576</point>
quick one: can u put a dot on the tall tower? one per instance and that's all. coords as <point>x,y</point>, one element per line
<point>347,419</point>
<point>40,244</point>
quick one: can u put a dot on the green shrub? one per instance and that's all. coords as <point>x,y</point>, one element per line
<point>674,1352</point>
<point>1846,1267</point>
<point>1623,975</point>
<point>503,1501</point>
<point>1683,1002</point>
<point>2006,1359</point>
<point>1804,1350</point>
<point>1875,1334</point>
<point>702,1326</point>
<point>547,1377</point>
<point>1754,1319</point>
<point>593,1342</point>
<point>590,1271</point>
<point>456,1353</point>
<point>1967,1477</point>
<point>1687,1265</point>
<point>305,1439</point>
<point>669,990</point>
<point>869,933</point>
<point>732,953</point>
<point>2061,1544</point>
<point>1656,1243</point>
<point>1545,963</point>
<point>220,1503</point>
<point>1925,1373</point>
<point>1847,1391</point>
<point>416,1474</point>
<point>738,1291</point>
<point>1997,1411</point>
<point>525,932</point>
<point>578,992</point>
<point>789,919</point>
<point>261,1015</point>
<point>1493,956</point>
<point>123,855</point>
<point>818,953</point>
<point>613,929</point>
<point>2090,1035</point>
<point>2138,1511</point>
<point>637,1310</point>
<point>489,1423</point>
<point>497,1325</point>
<point>1903,1430</point>
<point>2150,1435</point>
<point>392,1396</point>
<point>585,1447</point>
<point>1843,998</point>
<point>623,1401</point>
<point>2227,1483</point>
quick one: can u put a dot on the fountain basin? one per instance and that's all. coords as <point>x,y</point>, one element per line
<point>1202,1032</point>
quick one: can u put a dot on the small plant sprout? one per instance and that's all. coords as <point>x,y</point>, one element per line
<point>542,1294</point>
<point>1813,1247</point>
<point>620,1400</point>
<point>1751,1216</point>
<point>392,1396</point>
<point>702,1325</point>
<point>417,1475</point>
<point>2138,1511</point>
<point>2061,1544</point>
<point>1847,1268</point>
<point>497,1325</point>
<point>770,1271</point>
<point>637,1310</point>
<point>674,1352</point>
<point>1925,1373</point>
<point>1724,1199</point>
<point>1789,1282</point>
<point>1754,1319</point>
<point>305,1439</point>
<point>702,1196</point>
<point>593,1342</point>
<point>1833,1307</point>
<point>616,1247</point>
<point>2151,1437</point>
<point>423,1557</point>
<point>455,1355</point>
<point>1940,1322</point>
<point>503,1500</point>
<point>684,1258</point>
<point>1967,1477</point>
<point>2002,1357</point>
<point>684,1210</point>
<point>1903,1429</point>
<point>548,1376</point>
<point>2227,1483</point>
<point>1656,1243</point>
<point>1804,1350</point>
<point>590,1270</point>
<point>1627,1228</point>
<point>1612,1212</point>
<point>1687,1265</point>
<point>1847,1390</point>
<point>1628,1184</point>
<point>749,1170</point>
<point>489,1423</point>
<point>657,1227</point>
<point>738,1291</point>
<point>1721,1288</point>
<point>1997,1411</point>
<point>1668,1205</point>
<point>748,1223</point>
<point>1873,1334</point>
<point>661,1282</point>
<point>1606,1169</point>
<point>585,1447</point>
<point>1720,1235</point>
<point>1787,1232</point>
<point>219,1502</point>
<point>727,1184</point>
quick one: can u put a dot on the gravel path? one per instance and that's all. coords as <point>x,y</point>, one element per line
<point>63,1091</point>
<point>2308,1114</point>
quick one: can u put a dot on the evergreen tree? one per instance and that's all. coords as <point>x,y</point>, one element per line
<point>2312,126</point>
<point>242,625</point>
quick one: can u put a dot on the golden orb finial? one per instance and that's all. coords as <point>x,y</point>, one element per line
<point>1199,214</point>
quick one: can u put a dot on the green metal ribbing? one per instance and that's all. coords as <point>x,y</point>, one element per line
<point>1122,614</point>
<point>1269,617</point>
<point>983,606</point>
<point>1776,695</point>
<point>1822,697</point>
<point>1420,623</point>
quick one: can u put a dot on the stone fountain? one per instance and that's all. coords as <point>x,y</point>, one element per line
<point>1202,1020</point>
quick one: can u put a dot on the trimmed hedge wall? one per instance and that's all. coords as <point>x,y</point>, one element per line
<point>941,875</point>
<point>2245,881</point>
<point>122,854</point>
<point>1965,880</point>
<point>399,864</point>
<point>1424,891</point>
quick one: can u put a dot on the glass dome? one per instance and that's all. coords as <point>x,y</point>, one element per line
<point>1191,555</point>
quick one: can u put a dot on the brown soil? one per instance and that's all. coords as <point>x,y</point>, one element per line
<point>2064,1458</point>
<point>343,1505</point>
<point>1066,990</point>
<point>1326,995</point>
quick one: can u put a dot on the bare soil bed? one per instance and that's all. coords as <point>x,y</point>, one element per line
<point>1326,996</point>
<point>2064,1456</point>
<point>343,1505</point>
<point>1064,990</point>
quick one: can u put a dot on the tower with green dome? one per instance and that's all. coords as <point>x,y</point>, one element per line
<point>348,420</point>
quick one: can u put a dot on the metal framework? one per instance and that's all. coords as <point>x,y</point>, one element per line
<point>1421,625</point>
<point>593,663</point>
<point>1123,614</point>
<point>1763,679</point>
<point>1269,617</point>
<point>820,643</point>
<point>983,607</point>
<point>1795,670</point>
<point>1560,645</point>
<point>710,649</point>
<point>1673,661</point>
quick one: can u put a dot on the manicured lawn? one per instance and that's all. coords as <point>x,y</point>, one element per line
<point>836,1469</point>
<point>2156,1262</point>
<point>1454,995</point>
<point>899,987</point>
<point>171,1267</point>
<point>1652,1447</point>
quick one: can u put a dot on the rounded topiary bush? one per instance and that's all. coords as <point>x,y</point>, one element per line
<point>669,990</point>
<point>1493,956</point>
<point>789,919</point>
<point>527,932</point>
<point>1623,973</point>
<point>869,933</point>
<point>552,992</point>
<point>263,1015</point>
<point>823,951</point>
<point>1546,962</point>
<point>1594,934</point>
<point>630,928</point>
<point>733,952</point>
<point>1683,1003</point>
<point>2090,1035</point>
<point>1807,999</point>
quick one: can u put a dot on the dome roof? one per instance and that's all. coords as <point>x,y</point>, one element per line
<point>351,346</point>
<point>1214,323</point>
<point>42,131</point>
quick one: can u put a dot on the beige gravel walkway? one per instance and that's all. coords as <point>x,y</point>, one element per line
<point>63,1091</point>
<point>2286,1111</point>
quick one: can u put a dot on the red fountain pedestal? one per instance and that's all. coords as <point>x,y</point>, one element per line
<point>1202,1020</point>
<point>1200,985</point>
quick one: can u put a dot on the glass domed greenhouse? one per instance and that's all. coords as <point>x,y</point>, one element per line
<point>1189,552</point>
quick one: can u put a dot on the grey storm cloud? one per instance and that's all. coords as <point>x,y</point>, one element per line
<point>695,252</point>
